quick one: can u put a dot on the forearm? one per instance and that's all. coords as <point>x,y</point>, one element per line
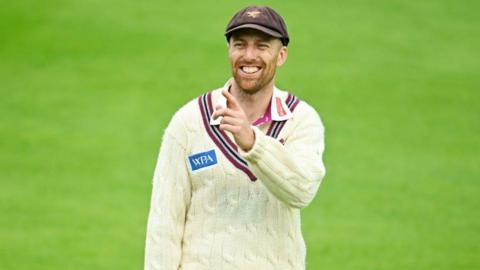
<point>290,172</point>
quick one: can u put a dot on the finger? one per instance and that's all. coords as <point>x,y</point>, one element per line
<point>218,113</point>
<point>224,112</point>
<point>231,100</point>
<point>231,121</point>
<point>230,128</point>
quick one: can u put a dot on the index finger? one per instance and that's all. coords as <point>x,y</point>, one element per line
<point>231,100</point>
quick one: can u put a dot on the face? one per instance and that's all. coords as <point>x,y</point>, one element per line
<point>254,58</point>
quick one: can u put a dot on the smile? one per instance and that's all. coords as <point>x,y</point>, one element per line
<point>250,69</point>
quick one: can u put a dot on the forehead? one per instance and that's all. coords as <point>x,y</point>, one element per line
<point>251,34</point>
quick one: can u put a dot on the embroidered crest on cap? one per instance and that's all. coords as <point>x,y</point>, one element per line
<point>202,160</point>
<point>253,13</point>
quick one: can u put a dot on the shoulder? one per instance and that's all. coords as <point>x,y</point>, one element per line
<point>180,120</point>
<point>305,114</point>
<point>306,110</point>
<point>190,116</point>
<point>302,111</point>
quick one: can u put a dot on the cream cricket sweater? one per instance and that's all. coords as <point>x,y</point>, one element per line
<point>215,207</point>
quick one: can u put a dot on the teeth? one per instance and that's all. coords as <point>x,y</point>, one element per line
<point>250,69</point>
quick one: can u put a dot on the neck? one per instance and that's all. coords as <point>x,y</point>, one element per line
<point>254,104</point>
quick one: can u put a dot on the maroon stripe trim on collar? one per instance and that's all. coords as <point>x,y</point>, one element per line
<point>281,124</point>
<point>295,103</point>
<point>210,111</point>
<point>220,138</point>
<point>224,139</point>
<point>274,124</point>
<point>277,126</point>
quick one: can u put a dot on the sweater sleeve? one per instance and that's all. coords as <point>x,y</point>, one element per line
<point>170,200</point>
<point>291,172</point>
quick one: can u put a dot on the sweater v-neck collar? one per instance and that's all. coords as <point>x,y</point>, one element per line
<point>276,111</point>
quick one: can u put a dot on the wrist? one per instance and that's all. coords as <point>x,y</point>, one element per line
<point>250,142</point>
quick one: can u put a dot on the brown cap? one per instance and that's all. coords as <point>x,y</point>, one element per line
<point>261,18</point>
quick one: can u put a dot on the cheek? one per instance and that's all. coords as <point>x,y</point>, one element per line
<point>233,58</point>
<point>272,62</point>
<point>271,59</point>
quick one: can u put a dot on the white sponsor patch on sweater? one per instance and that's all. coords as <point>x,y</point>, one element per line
<point>202,160</point>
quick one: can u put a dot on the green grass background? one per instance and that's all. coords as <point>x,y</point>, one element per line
<point>87,87</point>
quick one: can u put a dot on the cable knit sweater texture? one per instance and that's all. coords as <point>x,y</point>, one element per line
<point>217,218</point>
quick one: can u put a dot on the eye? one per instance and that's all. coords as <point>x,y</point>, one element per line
<point>237,45</point>
<point>263,45</point>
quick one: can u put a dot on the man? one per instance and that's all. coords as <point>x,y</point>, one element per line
<point>237,164</point>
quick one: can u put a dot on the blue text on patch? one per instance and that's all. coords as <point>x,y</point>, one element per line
<point>202,160</point>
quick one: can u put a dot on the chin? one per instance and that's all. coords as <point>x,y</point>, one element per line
<point>249,86</point>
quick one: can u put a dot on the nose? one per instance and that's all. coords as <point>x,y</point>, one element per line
<point>250,53</point>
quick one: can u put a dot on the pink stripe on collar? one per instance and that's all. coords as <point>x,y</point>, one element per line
<point>266,118</point>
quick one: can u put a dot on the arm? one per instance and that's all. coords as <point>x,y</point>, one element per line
<point>291,172</point>
<point>169,203</point>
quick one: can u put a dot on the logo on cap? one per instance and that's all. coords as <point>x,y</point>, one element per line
<point>253,14</point>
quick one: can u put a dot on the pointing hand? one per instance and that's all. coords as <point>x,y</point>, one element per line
<point>235,121</point>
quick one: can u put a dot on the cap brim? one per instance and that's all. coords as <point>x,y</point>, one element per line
<point>264,29</point>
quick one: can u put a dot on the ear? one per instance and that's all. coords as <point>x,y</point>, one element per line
<point>282,56</point>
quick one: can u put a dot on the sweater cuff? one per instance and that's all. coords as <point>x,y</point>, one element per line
<point>254,154</point>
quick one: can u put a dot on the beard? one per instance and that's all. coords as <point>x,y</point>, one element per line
<point>252,86</point>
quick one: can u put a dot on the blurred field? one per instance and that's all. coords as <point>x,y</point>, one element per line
<point>87,88</point>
